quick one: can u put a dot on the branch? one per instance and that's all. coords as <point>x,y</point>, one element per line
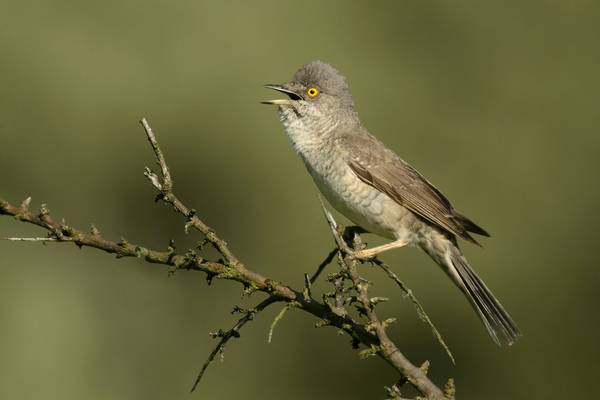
<point>229,267</point>
<point>232,333</point>
<point>62,232</point>
<point>165,186</point>
<point>385,348</point>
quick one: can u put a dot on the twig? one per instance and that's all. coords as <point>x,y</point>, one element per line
<point>215,269</point>
<point>308,281</point>
<point>234,332</point>
<point>167,183</point>
<point>323,264</point>
<point>385,347</point>
<point>278,318</point>
<point>30,239</point>
<point>165,186</point>
<point>420,310</point>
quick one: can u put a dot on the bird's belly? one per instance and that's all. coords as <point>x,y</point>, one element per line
<point>362,204</point>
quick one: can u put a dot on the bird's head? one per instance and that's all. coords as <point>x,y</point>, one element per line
<point>317,90</point>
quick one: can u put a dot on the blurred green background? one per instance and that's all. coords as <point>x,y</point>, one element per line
<point>495,102</point>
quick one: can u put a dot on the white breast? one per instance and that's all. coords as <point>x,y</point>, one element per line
<point>359,202</point>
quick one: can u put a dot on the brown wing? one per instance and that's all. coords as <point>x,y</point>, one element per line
<point>381,168</point>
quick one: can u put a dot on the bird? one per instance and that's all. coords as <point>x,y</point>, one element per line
<point>376,189</point>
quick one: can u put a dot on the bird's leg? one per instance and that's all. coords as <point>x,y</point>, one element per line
<point>367,254</point>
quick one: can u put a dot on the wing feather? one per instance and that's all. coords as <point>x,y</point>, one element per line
<point>381,168</point>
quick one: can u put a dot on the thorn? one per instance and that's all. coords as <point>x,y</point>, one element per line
<point>307,287</point>
<point>425,367</point>
<point>393,391</point>
<point>44,210</point>
<point>172,270</point>
<point>94,231</point>
<point>153,178</point>
<point>171,253</point>
<point>25,204</point>
<point>190,223</point>
<point>209,277</point>
<point>219,333</point>
<point>377,300</point>
<point>239,310</point>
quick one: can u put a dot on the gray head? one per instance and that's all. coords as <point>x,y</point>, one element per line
<point>317,90</point>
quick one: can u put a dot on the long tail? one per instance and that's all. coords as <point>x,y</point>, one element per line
<point>498,323</point>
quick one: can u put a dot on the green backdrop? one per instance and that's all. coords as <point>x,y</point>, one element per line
<point>495,102</point>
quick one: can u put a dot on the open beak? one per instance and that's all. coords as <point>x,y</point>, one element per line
<point>281,102</point>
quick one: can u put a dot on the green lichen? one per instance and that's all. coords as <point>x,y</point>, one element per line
<point>449,389</point>
<point>228,273</point>
<point>321,323</point>
<point>141,252</point>
<point>369,352</point>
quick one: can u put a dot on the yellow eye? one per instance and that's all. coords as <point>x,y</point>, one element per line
<point>312,92</point>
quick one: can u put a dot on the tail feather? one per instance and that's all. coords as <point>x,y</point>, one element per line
<point>499,324</point>
<point>469,225</point>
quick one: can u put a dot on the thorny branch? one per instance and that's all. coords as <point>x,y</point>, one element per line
<point>385,347</point>
<point>232,333</point>
<point>371,335</point>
